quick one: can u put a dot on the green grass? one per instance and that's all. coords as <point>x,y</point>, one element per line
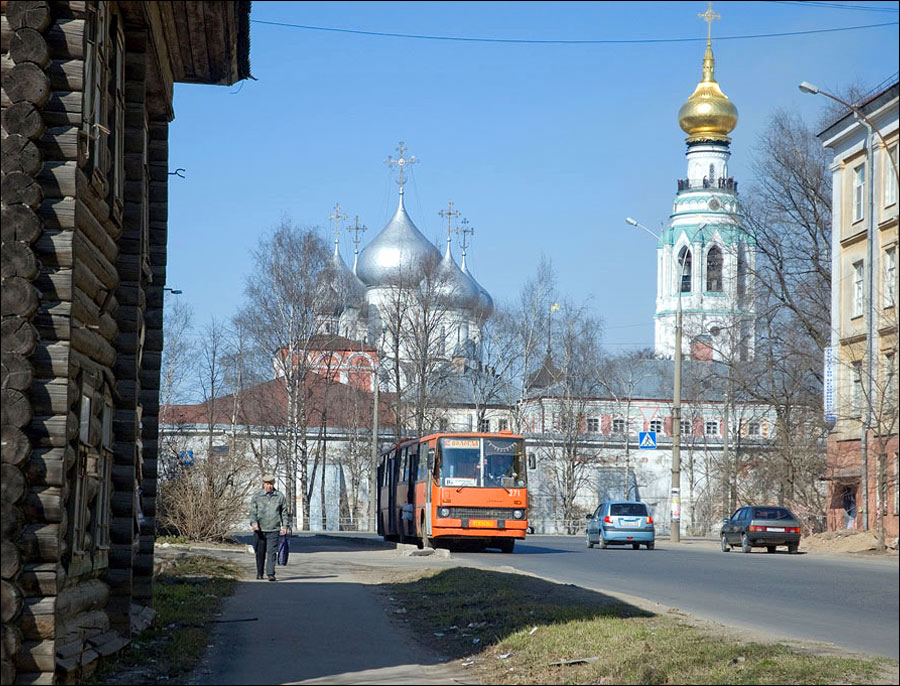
<point>631,646</point>
<point>187,597</point>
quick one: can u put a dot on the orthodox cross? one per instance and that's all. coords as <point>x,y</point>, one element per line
<point>401,163</point>
<point>465,232</point>
<point>709,16</point>
<point>451,214</point>
<point>356,229</point>
<point>336,218</point>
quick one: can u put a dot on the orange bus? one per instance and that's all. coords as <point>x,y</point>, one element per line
<point>454,488</point>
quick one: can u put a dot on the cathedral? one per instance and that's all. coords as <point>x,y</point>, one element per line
<point>399,271</point>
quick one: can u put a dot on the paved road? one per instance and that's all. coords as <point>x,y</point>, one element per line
<point>849,602</point>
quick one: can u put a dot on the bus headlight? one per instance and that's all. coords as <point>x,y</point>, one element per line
<point>518,514</point>
<point>444,512</point>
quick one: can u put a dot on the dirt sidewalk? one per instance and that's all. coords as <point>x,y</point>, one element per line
<point>322,622</point>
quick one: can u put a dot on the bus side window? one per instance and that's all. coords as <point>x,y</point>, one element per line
<point>404,465</point>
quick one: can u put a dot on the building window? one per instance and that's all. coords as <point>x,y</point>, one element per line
<point>532,461</point>
<point>714,270</point>
<point>684,260</point>
<point>502,425</point>
<point>859,186</point>
<point>889,277</point>
<point>593,425</point>
<point>618,426</point>
<point>741,271</point>
<point>686,428</point>
<point>712,428</point>
<point>469,423</point>
<point>858,289</point>
<point>484,426</point>
<point>753,429</point>
<point>442,424</point>
<point>890,179</point>
<point>656,425</point>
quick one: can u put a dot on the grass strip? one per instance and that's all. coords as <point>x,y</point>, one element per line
<point>186,597</point>
<point>512,628</point>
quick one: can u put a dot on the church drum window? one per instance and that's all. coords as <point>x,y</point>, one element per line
<point>684,259</point>
<point>714,270</point>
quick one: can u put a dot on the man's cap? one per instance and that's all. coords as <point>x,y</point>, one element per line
<point>269,478</point>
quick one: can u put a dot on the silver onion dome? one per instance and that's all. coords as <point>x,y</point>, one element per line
<point>351,290</point>
<point>457,290</point>
<point>485,304</point>
<point>397,255</point>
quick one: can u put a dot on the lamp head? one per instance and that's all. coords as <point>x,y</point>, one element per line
<point>631,221</point>
<point>807,87</point>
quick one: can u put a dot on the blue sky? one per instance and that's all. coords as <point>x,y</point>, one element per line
<point>545,148</point>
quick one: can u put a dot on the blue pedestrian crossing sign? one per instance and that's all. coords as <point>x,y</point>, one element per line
<point>647,440</point>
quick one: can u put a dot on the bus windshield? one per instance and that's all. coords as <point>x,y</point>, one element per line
<point>483,462</point>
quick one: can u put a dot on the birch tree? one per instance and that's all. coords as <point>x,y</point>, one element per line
<point>282,295</point>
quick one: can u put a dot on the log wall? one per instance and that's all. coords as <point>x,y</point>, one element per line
<point>84,221</point>
<point>69,350</point>
<point>24,58</point>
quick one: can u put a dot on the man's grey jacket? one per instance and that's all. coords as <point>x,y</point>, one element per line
<point>268,510</point>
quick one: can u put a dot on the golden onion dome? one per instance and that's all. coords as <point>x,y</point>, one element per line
<point>708,114</point>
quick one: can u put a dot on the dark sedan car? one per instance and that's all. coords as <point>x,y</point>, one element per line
<point>761,527</point>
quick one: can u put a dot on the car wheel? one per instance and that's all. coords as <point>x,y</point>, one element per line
<point>636,546</point>
<point>602,542</point>
<point>746,546</point>
<point>793,547</point>
<point>651,546</point>
<point>590,544</point>
<point>725,546</point>
<point>770,548</point>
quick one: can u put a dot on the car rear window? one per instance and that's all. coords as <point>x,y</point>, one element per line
<point>771,513</point>
<point>628,509</point>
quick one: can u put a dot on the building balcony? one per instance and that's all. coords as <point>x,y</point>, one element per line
<point>721,184</point>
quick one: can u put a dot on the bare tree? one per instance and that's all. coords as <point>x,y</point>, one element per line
<point>569,462</point>
<point>532,327</point>
<point>620,378</point>
<point>176,367</point>
<point>283,295</point>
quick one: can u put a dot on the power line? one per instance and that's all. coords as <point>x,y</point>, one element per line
<point>386,34</point>
<point>838,6</point>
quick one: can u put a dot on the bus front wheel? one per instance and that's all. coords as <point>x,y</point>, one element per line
<point>507,545</point>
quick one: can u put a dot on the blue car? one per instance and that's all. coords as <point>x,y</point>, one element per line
<point>621,523</point>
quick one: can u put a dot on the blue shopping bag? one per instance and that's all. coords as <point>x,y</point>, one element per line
<point>284,549</point>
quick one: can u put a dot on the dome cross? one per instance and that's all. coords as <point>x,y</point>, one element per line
<point>709,17</point>
<point>464,233</point>
<point>450,214</point>
<point>401,163</point>
<point>337,217</point>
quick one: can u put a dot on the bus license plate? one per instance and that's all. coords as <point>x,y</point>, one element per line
<point>483,523</point>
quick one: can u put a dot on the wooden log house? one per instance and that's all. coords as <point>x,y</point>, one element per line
<point>86,105</point>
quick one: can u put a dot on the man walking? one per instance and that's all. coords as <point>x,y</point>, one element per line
<point>267,518</point>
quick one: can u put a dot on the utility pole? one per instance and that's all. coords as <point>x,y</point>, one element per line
<point>373,468</point>
<point>675,535</point>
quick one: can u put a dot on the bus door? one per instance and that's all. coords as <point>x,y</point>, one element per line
<point>430,470</point>
<point>380,498</point>
<point>392,493</point>
<point>408,505</point>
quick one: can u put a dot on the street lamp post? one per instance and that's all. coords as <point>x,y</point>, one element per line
<point>872,131</point>
<point>675,535</point>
